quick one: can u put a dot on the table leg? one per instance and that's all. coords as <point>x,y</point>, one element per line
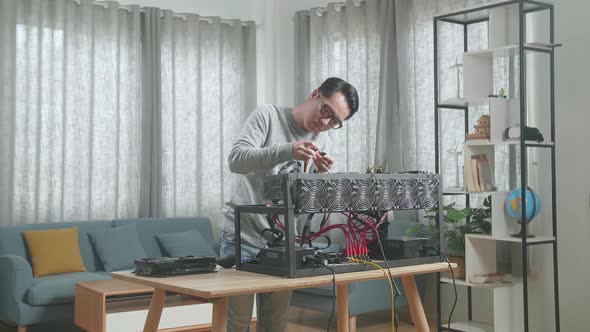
<point>416,309</point>
<point>352,324</point>
<point>219,322</point>
<point>155,312</point>
<point>342,297</point>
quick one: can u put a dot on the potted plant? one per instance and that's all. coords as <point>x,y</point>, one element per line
<point>458,222</point>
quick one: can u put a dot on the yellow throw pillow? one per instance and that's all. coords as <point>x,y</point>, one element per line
<point>54,251</point>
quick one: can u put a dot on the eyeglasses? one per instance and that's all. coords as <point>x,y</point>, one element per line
<point>327,113</point>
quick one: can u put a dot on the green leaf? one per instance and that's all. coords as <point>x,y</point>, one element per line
<point>455,216</point>
<point>458,222</point>
<point>448,206</point>
<point>467,211</point>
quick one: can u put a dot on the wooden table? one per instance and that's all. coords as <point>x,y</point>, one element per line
<point>217,287</point>
<point>95,299</point>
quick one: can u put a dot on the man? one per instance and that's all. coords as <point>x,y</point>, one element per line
<point>271,137</point>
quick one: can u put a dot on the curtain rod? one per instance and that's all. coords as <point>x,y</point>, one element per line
<point>207,19</point>
<point>180,16</point>
<point>337,6</point>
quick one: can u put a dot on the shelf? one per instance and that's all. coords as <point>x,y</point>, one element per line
<point>484,142</point>
<point>510,238</point>
<point>510,50</point>
<point>470,326</point>
<point>505,27</point>
<point>496,52</point>
<point>508,283</point>
<point>462,103</point>
<point>482,13</point>
<point>465,192</point>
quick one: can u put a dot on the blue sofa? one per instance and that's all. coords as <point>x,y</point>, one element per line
<point>363,297</point>
<point>29,301</point>
<point>26,300</point>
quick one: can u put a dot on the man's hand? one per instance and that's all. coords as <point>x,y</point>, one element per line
<point>304,150</point>
<point>323,163</point>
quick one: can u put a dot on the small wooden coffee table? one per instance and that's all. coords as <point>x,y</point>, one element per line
<point>95,299</point>
<point>218,287</point>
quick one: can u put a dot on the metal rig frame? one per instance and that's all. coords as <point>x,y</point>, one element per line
<point>288,209</point>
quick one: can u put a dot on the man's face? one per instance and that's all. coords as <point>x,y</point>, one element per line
<point>327,113</point>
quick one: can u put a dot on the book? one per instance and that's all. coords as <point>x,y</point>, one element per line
<point>486,180</point>
<point>475,159</point>
<point>468,174</point>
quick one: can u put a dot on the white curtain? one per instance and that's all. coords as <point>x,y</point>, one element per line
<point>208,73</point>
<point>385,49</point>
<point>343,40</point>
<point>415,39</point>
<point>107,112</point>
<point>70,110</point>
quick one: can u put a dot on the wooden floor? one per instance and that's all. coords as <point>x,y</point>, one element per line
<point>304,320</point>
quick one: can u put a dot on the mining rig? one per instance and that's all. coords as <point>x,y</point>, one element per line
<point>363,201</point>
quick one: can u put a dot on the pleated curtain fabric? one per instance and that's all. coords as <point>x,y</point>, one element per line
<point>416,94</point>
<point>302,58</point>
<point>416,71</point>
<point>208,89</point>
<point>70,110</point>
<point>151,148</point>
<point>385,49</point>
<point>112,112</point>
<point>344,40</point>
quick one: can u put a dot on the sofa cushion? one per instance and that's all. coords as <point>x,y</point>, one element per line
<point>118,247</point>
<point>148,228</point>
<point>12,241</point>
<point>59,288</point>
<point>54,251</point>
<point>184,244</point>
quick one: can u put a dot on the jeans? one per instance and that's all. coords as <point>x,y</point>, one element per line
<point>271,308</point>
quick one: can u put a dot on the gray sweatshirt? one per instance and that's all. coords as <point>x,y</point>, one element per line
<point>261,149</point>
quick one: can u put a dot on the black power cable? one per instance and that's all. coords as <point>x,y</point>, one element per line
<point>397,291</point>
<point>395,318</point>
<point>387,266</point>
<point>333,287</point>
<point>454,285</point>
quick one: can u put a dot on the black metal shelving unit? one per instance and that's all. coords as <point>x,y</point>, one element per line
<point>480,14</point>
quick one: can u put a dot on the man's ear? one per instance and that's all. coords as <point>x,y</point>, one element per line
<point>314,94</point>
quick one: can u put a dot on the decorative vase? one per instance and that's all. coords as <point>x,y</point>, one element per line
<point>459,271</point>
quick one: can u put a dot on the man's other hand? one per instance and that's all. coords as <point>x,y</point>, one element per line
<point>323,163</point>
<point>304,150</point>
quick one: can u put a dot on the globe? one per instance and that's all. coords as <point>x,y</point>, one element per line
<point>514,204</point>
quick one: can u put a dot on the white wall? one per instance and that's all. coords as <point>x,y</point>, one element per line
<point>285,46</point>
<point>573,161</point>
<point>276,48</point>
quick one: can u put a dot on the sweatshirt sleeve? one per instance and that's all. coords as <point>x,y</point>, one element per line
<point>248,153</point>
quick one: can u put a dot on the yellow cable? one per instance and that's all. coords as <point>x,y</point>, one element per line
<point>390,288</point>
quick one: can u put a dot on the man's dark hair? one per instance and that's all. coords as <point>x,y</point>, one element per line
<point>335,84</point>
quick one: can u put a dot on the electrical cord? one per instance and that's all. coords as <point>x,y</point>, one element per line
<point>397,291</point>
<point>387,265</point>
<point>333,287</point>
<point>393,315</point>
<point>454,285</point>
<point>375,228</point>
